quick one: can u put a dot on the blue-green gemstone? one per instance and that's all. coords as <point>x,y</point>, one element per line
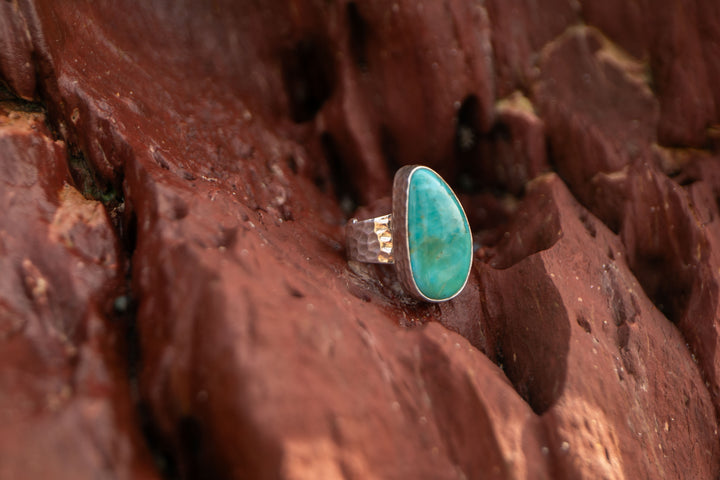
<point>439,239</point>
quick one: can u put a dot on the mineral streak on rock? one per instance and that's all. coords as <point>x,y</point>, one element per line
<point>187,170</point>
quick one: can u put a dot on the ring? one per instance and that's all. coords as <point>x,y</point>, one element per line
<point>427,236</point>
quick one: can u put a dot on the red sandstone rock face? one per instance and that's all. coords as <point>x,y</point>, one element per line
<point>230,144</point>
<point>65,404</point>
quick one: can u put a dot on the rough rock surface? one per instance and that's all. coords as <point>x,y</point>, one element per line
<point>65,404</point>
<point>175,300</point>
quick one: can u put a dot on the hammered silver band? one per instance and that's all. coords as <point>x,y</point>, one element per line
<point>370,240</point>
<point>384,239</point>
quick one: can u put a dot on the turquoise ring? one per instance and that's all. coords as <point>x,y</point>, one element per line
<point>427,236</point>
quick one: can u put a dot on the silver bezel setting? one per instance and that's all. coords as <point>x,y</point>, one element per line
<point>401,247</point>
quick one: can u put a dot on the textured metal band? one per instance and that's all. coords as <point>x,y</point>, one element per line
<point>384,239</point>
<point>402,250</point>
<point>371,240</point>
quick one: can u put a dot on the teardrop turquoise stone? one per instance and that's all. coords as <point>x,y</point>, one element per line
<point>439,239</point>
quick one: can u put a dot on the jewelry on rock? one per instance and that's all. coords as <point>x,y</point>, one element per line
<point>427,236</point>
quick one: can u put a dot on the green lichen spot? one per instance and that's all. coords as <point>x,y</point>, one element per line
<point>439,239</point>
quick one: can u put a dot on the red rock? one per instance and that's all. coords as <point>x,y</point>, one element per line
<point>65,408</point>
<point>582,342</point>
<point>671,233</point>
<point>520,29</point>
<point>241,137</point>
<point>16,61</point>
<point>598,111</point>
<point>515,151</point>
<point>681,42</point>
<point>451,69</point>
